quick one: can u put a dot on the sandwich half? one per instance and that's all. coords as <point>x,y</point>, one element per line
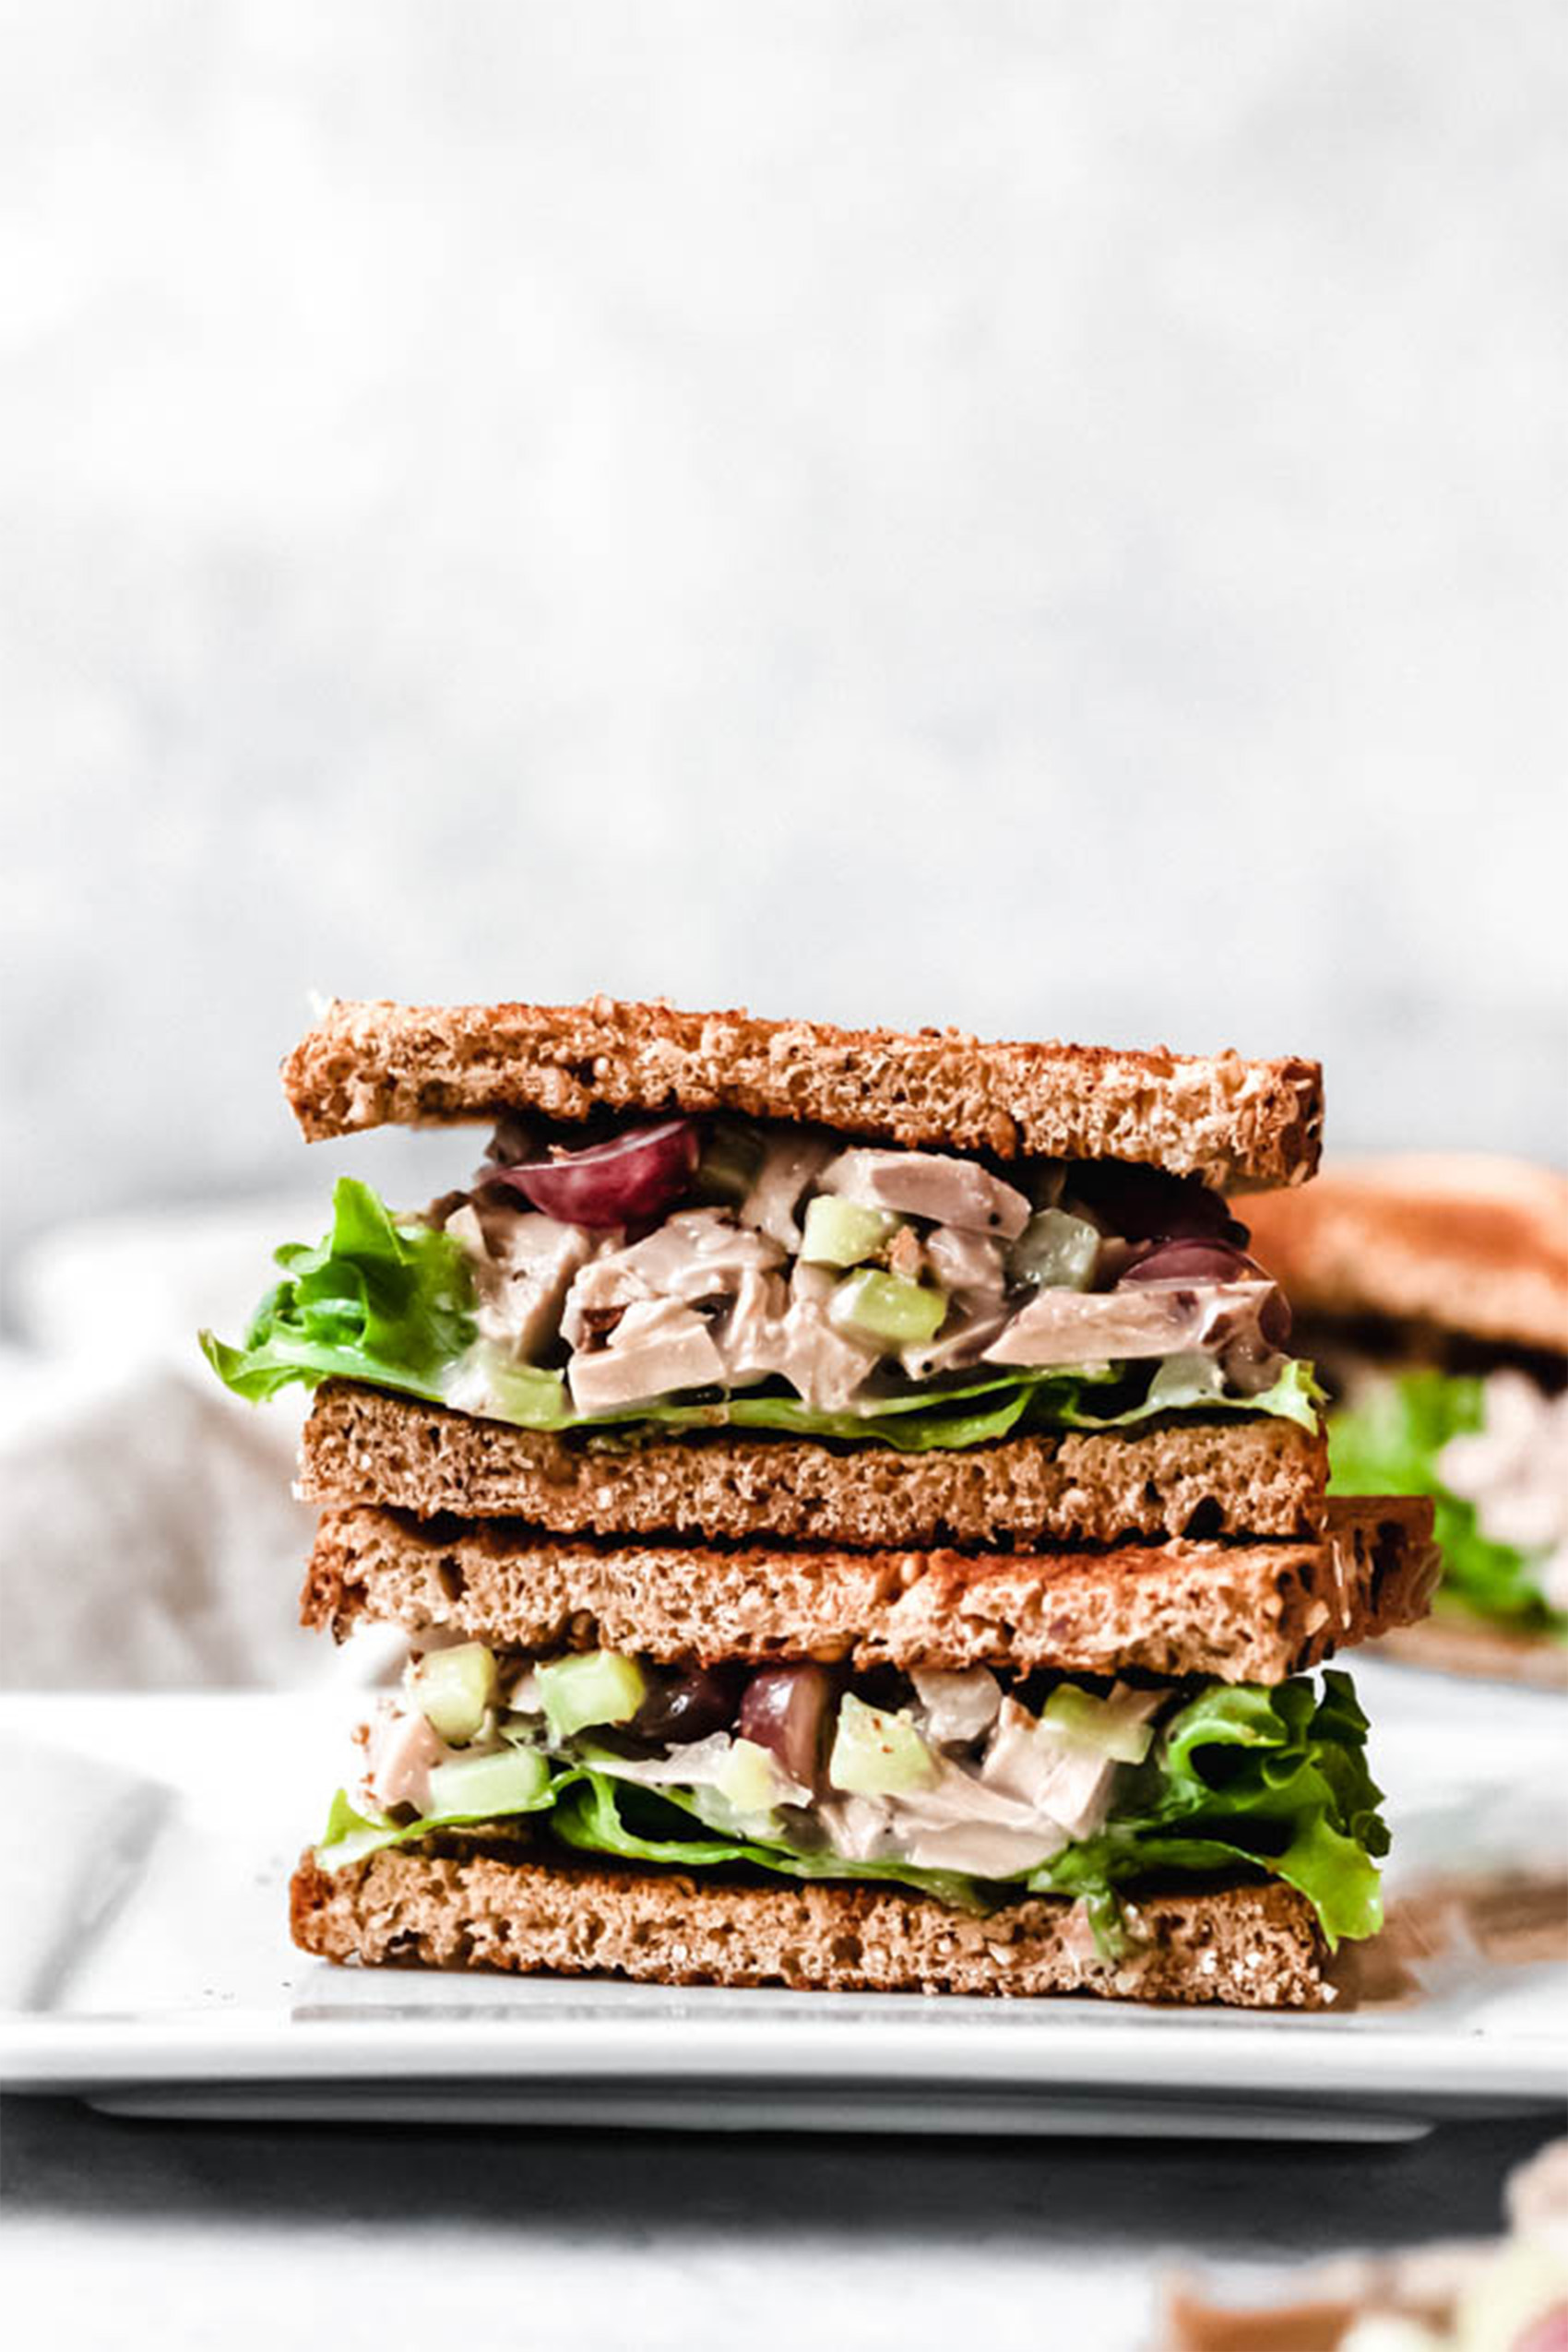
<point>1434,1292</point>
<point>854,1507</point>
<point>691,1234</point>
<point>1110,1772</point>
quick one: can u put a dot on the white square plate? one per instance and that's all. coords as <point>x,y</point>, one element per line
<point>149,1969</point>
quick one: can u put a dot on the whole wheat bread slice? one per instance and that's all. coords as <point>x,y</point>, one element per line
<point>1468,1243</point>
<point>1252,1475</point>
<point>1239,1124</point>
<point>1252,1612</point>
<point>453,1904</point>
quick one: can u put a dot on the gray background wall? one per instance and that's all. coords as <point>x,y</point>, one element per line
<point>1039,516</point>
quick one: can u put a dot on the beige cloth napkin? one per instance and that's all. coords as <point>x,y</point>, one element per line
<point>151,1537</point>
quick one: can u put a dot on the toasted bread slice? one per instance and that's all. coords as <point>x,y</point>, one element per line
<point>1470,1245</point>
<point>1249,1613</point>
<point>454,1903</point>
<point>1234,1475</point>
<point>1239,1124</point>
<point>1453,1643</point>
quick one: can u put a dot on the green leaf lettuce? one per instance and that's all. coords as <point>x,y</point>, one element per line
<point>376,1301</point>
<point>392,1303</point>
<point>1390,1444</point>
<point>1272,1778</point>
<point>1241,1777</point>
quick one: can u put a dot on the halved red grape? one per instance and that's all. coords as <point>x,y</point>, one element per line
<point>686,1705</point>
<point>783,1710</point>
<point>636,1175</point>
<point>1214,1262</point>
<point>1147,1205</point>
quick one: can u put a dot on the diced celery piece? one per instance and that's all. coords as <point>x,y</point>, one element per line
<point>1058,1252</point>
<point>1077,1719</point>
<point>878,1754</point>
<point>526,1394</point>
<point>482,1787</point>
<point>452,1689</point>
<point>841,1232</point>
<point>885,1308</point>
<point>1189,1379</point>
<point>731,1155</point>
<point>751,1780</point>
<point>600,1686</point>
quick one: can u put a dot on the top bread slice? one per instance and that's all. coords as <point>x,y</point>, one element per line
<point>1239,1125</point>
<point>1470,1245</point>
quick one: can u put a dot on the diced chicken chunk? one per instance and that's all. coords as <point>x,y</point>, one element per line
<point>956,1705</point>
<point>750,1338</point>
<point>697,1254</point>
<point>983,1849</point>
<point>936,1185</point>
<point>403,1752</point>
<point>788,1165</point>
<point>523,1266</point>
<point>771,1329</point>
<point>1071,1785</point>
<point>658,1346</point>
<point>955,1822</point>
<point>1120,1326</point>
<point>966,1264</point>
<point>821,1364</point>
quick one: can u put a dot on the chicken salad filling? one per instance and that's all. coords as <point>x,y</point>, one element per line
<point>971,1787</point>
<point>693,1272</point>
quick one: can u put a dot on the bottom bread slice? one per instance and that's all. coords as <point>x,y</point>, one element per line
<point>453,1904</point>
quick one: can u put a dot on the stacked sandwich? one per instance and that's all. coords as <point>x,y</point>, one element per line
<point>853,1512</point>
<point>1433,1291</point>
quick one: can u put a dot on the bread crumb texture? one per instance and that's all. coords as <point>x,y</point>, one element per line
<point>1245,1612</point>
<point>455,1906</point>
<point>1254,1475</point>
<point>1240,1124</point>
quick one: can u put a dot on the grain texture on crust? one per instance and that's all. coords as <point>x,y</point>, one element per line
<point>1239,1124</point>
<point>455,1906</point>
<point>1249,1613</point>
<point>1241,1476</point>
<point>1468,1243</point>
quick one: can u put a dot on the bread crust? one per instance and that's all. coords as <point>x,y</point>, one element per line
<point>453,1905</point>
<point>1239,1124</point>
<point>1238,1475</point>
<point>1468,1243</point>
<point>1451,1643</point>
<point>1249,1613</point>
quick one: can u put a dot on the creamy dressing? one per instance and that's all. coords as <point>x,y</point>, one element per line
<point>1005,1791</point>
<point>720,1298</point>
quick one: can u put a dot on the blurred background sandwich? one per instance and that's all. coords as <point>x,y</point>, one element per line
<point>1431,1291</point>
